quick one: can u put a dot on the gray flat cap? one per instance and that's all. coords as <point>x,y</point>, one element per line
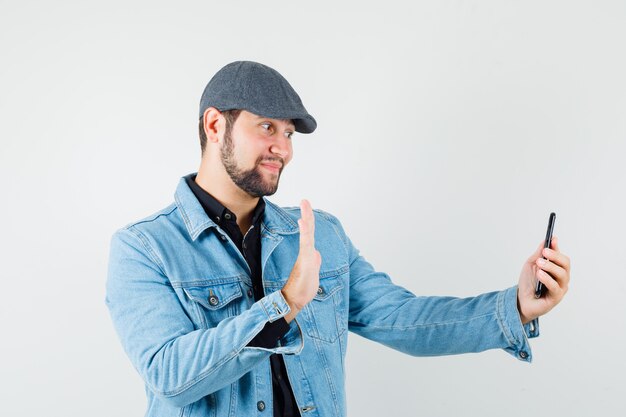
<point>258,89</point>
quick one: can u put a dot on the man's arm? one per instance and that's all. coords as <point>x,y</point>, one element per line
<point>178,362</point>
<point>425,326</point>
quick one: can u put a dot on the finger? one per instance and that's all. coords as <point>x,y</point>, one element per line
<point>557,272</point>
<point>306,237</point>
<point>556,256</point>
<point>306,211</point>
<point>307,226</point>
<point>550,283</point>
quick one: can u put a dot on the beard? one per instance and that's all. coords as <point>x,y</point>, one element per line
<point>252,181</point>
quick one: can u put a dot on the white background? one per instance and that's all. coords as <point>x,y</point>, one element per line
<point>448,131</point>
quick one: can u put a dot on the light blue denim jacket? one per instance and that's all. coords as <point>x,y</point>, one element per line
<point>179,298</point>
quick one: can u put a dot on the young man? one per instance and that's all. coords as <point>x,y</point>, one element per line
<point>228,305</point>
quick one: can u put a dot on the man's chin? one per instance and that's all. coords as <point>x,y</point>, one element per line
<point>266,191</point>
<point>270,190</point>
<point>256,183</point>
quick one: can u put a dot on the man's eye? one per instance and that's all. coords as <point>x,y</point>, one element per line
<point>266,126</point>
<point>289,134</point>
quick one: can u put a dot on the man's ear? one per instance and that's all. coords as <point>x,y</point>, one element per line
<point>213,123</point>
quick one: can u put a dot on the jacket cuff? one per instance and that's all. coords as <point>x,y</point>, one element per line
<point>511,324</point>
<point>270,334</point>
<point>532,328</point>
<point>276,308</point>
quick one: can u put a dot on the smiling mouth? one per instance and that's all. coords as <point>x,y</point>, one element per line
<point>272,167</point>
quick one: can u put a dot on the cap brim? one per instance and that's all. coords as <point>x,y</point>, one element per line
<point>306,124</point>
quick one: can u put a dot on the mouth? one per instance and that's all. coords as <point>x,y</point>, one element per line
<point>272,167</point>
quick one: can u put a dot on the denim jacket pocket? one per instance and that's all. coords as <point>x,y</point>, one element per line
<point>322,312</point>
<point>215,302</point>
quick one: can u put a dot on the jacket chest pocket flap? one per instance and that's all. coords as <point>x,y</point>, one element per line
<point>215,302</point>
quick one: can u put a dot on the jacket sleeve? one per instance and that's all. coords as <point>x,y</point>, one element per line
<point>176,361</point>
<point>432,325</point>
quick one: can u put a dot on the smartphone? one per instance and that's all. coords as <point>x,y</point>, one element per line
<point>539,288</point>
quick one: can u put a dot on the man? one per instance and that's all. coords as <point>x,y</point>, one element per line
<point>228,305</point>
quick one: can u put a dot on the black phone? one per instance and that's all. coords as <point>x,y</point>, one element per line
<point>539,288</point>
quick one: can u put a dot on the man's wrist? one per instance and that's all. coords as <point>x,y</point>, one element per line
<point>293,307</point>
<point>524,319</point>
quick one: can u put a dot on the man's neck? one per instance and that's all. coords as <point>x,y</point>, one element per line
<point>217,183</point>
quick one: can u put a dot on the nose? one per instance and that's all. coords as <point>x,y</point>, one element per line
<point>281,147</point>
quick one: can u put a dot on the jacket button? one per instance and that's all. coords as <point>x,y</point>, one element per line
<point>213,300</point>
<point>227,216</point>
<point>249,292</point>
<point>223,237</point>
<point>320,290</point>
<point>523,354</point>
<point>260,406</point>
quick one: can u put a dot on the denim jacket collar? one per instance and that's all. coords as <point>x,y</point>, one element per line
<point>275,219</point>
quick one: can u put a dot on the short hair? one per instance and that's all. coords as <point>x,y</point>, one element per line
<point>229,115</point>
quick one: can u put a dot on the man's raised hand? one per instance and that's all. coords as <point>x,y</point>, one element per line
<point>304,280</point>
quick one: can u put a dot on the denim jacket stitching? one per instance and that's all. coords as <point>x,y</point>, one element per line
<point>233,279</point>
<point>214,369</point>
<point>146,244</point>
<point>164,212</point>
<point>501,320</point>
<point>293,226</point>
<point>194,232</point>
<point>329,377</point>
<point>423,325</point>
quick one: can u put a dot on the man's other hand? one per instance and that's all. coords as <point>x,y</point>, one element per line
<point>554,274</point>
